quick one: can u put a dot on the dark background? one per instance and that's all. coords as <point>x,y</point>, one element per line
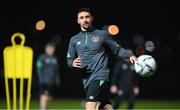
<point>158,21</point>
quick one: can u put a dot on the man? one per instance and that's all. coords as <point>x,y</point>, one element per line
<point>124,83</point>
<point>87,52</point>
<point>48,74</point>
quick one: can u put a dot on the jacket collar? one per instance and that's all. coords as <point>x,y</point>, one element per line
<point>91,29</point>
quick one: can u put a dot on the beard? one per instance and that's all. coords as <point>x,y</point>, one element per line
<point>86,26</point>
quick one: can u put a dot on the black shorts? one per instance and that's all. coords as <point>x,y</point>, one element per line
<point>98,90</point>
<point>46,89</point>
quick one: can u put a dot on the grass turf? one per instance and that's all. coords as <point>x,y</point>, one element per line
<point>77,104</point>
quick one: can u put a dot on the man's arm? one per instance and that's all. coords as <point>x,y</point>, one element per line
<point>39,66</point>
<point>57,76</point>
<point>117,49</point>
<point>71,54</point>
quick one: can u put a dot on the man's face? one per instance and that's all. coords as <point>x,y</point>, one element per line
<point>85,20</point>
<point>50,50</point>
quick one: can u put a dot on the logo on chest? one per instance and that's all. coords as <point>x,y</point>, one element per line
<point>95,39</point>
<point>78,43</point>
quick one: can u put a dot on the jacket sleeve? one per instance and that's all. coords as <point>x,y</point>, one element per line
<point>71,54</point>
<point>57,76</point>
<point>116,48</point>
<point>39,67</point>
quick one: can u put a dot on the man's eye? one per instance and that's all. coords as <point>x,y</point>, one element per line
<point>87,16</point>
<point>81,17</point>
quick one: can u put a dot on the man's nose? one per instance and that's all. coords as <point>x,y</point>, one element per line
<point>84,19</point>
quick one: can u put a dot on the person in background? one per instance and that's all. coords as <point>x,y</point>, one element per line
<point>124,83</point>
<point>48,74</point>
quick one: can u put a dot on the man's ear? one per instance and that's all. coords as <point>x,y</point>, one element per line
<point>77,21</point>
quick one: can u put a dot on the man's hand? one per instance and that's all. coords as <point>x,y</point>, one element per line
<point>77,63</point>
<point>132,59</point>
<point>136,90</point>
<point>114,89</point>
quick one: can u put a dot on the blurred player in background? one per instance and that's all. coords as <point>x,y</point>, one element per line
<point>124,83</point>
<point>48,74</point>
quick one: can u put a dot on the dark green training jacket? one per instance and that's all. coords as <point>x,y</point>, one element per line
<point>90,47</point>
<point>48,70</point>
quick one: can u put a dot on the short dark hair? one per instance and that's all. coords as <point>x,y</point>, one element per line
<point>83,10</point>
<point>50,44</point>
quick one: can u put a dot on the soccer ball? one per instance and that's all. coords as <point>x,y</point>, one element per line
<point>145,65</point>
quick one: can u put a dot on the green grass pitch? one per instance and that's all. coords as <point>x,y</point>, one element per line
<point>77,104</point>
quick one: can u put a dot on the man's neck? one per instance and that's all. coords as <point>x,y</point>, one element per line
<point>88,29</point>
<point>83,29</point>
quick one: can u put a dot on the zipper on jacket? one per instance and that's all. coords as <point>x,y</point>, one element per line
<point>86,40</point>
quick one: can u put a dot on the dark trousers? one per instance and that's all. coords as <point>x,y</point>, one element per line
<point>129,95</point>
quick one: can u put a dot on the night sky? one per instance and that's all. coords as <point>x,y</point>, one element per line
<point>156,21</point>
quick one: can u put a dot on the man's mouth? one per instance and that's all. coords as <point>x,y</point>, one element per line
<point>86,23</point>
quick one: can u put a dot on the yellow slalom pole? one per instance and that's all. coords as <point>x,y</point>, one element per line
<point>21,88</point>
<point>21,93</point>
<point>14,94</point>
<point>7,93</point>
<point>28,94</point>
<point>18,65</point>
